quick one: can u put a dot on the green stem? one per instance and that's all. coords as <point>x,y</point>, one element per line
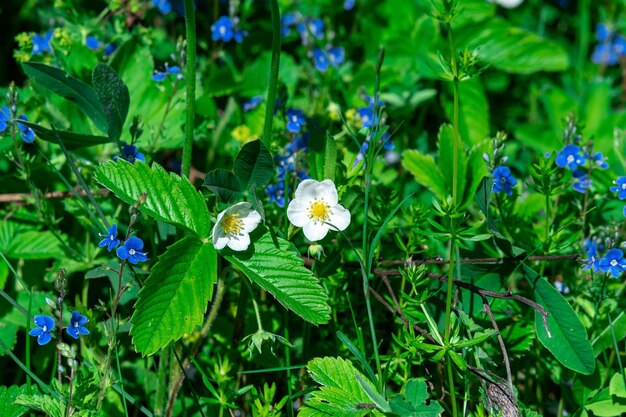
<point>455,175</point>
<point>584,24</point>
<point>190,30</point>
<point>271,91</point>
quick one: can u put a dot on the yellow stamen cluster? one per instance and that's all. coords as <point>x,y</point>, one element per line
<point>232,224</point>
<point>319,211</point>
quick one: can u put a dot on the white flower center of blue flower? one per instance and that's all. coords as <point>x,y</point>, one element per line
<point>45,328</point>
<point>613,262</point>
<point>131,251</point>
<point>112,237</point>
<point>502,180</point>
<point>222,30</point>
<point>570,159</point>
<point>624,186</point>
<point>294,119</point>
<point>76,324</point>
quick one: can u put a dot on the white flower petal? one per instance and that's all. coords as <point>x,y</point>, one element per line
<point>217,232</point>
<point>251,221</point>
<point>326,190</point>
<point>239,243</point>
<point>315,231</point>
<point>297,214</point>
<point>340,219</point>
<point>306,191</point>
<point>220,242</point>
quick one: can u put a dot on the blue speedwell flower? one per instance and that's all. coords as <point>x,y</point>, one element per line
<point>159,76</point>
<point>287,21</point>
<point>77,325</point>
<point>348,4</point>
<point>593,262</point>
<point>45,325</point>
<point>582,182</point>
<point>27,134</point>
<point>110,239</point>
<point>41,43</point>
<point>570,157</point>
<point>164,6</point>
<point>331,56</point>
<point>130,153</point>
<point>5,118</point>
<point>503,180</point>
<point>620,188</point>
<point>600,161</point>
<point>225,29</point>
<point>131,251</point>
<point>295,120</point>
<point>252,103</point>
<point>93,43</point>
<point>315,26</point>
<point>613,262</point>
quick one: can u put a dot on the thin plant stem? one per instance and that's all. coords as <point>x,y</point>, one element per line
<point>274,66</point>
<point>176,383</point>
<point>190,30</point>
<point>455,174</point>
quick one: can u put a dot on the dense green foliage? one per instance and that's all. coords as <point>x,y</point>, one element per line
<point>278,208</point>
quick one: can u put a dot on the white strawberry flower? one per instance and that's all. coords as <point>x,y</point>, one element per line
<point>509,4</point>
<point>316,209</point>
<point>234,225</point>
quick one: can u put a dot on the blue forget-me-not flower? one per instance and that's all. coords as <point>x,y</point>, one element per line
<point>45,325</point>
<point>110,238</point>
<point>132,251</point>
<point>77,325</point>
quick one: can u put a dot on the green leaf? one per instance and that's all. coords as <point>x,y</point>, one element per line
<point>322,155</point>
<point>446,158</point>
<point>426,171</point>
<point>7,397</point>
<point>341,395</point>
<point>113,96</point>
<point>381,403</point>
<point>71,140</point>
<point>606,405</point>
<point>60,82</point>
<point>281,272</point>
<point>605,339</point>
<point>617,386</point>
<point>175,296</point>
<point>170,198</point>
<point>51,407</point>
<point>511,49</point>
<point>223,184</point>
<point>254,165</point>
<point>568,338</point>
<point>413,402</point>
<point>359,355</point>
<point>33,245</point>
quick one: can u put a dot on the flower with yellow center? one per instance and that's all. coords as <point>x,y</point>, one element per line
<point>234,225</point>
<point>317,210</point>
